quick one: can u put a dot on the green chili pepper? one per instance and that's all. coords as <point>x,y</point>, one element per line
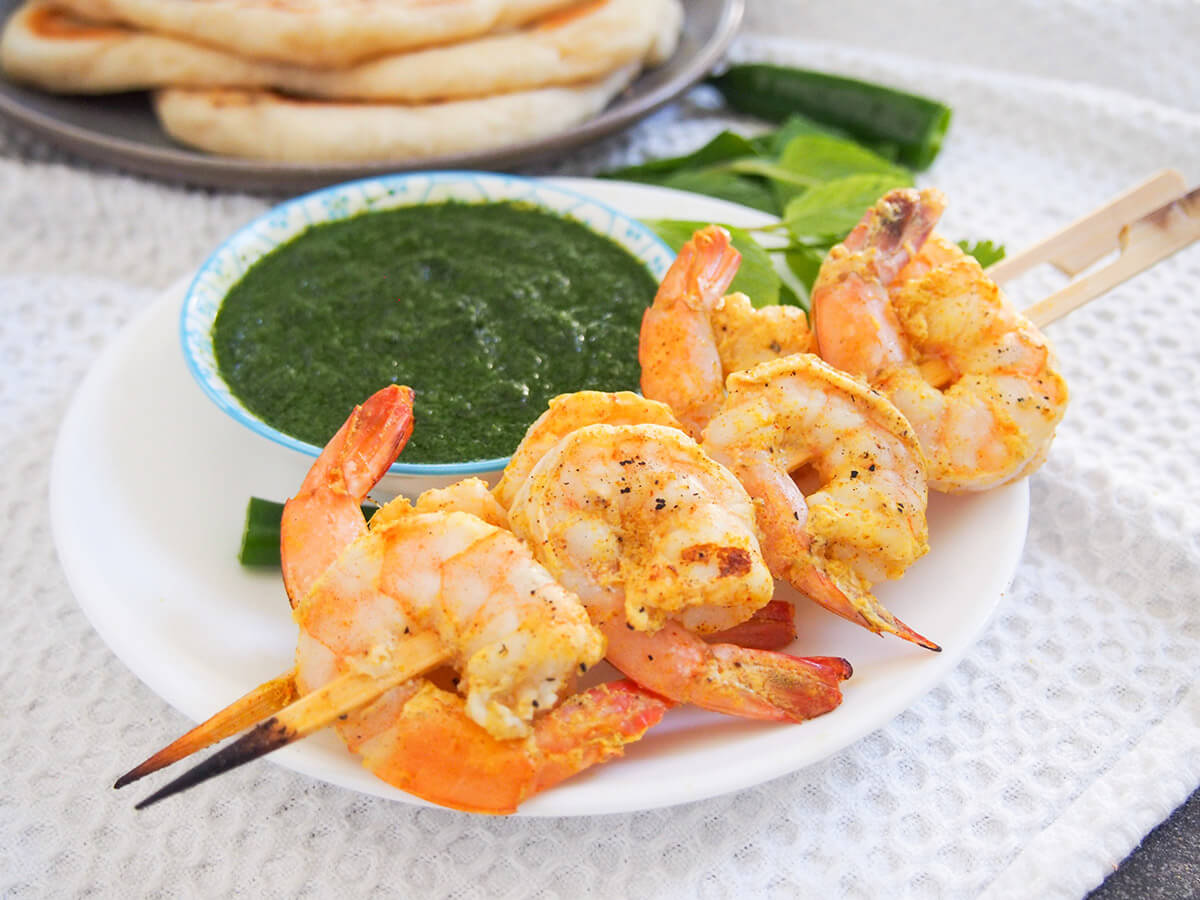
<point>909,126</point>
<point>260,537</point>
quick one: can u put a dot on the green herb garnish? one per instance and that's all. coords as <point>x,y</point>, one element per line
<point>987,252</point>
<point>816,182</point>
<point>840,144</point>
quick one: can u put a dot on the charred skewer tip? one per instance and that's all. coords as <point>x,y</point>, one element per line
<point>417,655</point>
<point>265,738</point>
<point>265,700</point>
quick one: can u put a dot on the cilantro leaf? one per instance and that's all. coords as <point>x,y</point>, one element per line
<point>987,252</point>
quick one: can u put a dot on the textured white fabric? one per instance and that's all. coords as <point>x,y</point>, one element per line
<point>1067,732</point>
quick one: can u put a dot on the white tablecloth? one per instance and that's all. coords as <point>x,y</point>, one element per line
<point>1067,732</point>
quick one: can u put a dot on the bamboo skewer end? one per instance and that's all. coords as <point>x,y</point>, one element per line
<point>1144,225</point>
<point>418,654</point>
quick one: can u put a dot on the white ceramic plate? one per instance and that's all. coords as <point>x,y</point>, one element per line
<point>148,491</point>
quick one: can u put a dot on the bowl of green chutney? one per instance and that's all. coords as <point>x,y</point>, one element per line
<point>486,293</point>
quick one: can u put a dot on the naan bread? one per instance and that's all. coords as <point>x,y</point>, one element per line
<point>317,32</point>
<point>268,126</point>
<point>56,50</point>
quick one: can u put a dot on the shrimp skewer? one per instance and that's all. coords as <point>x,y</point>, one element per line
<point>464,591</point>
<point>522,637</point>
<point>325,515</point>
<point>922,322</point>
<point>766,433</point>
<point>863,518</point>
<point>660,544</point>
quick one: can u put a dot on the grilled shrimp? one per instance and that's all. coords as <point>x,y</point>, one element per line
<point>515,637</point>
<point>567,412</point>
<point>769,627</point>
<point>471,495</point>
<point>747,336</point>
<point>660,544</point>
<point>839,479</point>
<point>922,322</point>
<point>326,512</point>
<point>693,335</point>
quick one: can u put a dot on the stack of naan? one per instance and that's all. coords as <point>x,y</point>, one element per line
<point>346,80</point>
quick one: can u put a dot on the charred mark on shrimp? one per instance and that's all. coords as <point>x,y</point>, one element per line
<point>732,562</point>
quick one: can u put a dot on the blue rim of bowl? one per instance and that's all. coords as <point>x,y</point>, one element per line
<point>209,378</point>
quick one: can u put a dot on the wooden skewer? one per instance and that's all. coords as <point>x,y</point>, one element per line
<point>1142,243</point>
<point>266,699</point>
<point>312,712</point>
<point>1145,225</point>
<point>770,628</point>
<point>1089,238</point>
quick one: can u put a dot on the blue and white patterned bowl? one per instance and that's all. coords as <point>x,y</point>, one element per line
<point>232,259</point>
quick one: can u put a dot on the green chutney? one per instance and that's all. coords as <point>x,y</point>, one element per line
<point>485,310</point>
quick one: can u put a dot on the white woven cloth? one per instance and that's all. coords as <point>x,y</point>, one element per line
<point>1067,732</point>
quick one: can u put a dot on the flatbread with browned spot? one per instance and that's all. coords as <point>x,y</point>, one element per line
<point>56,50</point>
<point>265,125</point>
<point>317,32</point>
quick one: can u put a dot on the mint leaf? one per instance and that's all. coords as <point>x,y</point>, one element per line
<point>771,143</point>
<point>725,185</point>
<point>725,146</point>
<point>819,158</point>
<point>756,277</point>
<point>805,263</point>
<point>824,214</point>
<point>822,157</point>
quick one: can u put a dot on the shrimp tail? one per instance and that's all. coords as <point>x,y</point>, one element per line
<point>858,606</point>
<point>325,515</point>
<point>856,327</point>
<point>726,678</point>
<point>897,226</point>
<point>433,750</point>
<point>594,726</point>
<point>778,686</point>
<point>703,269</point>
<point>676,348</point>
<point>771,627</point>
